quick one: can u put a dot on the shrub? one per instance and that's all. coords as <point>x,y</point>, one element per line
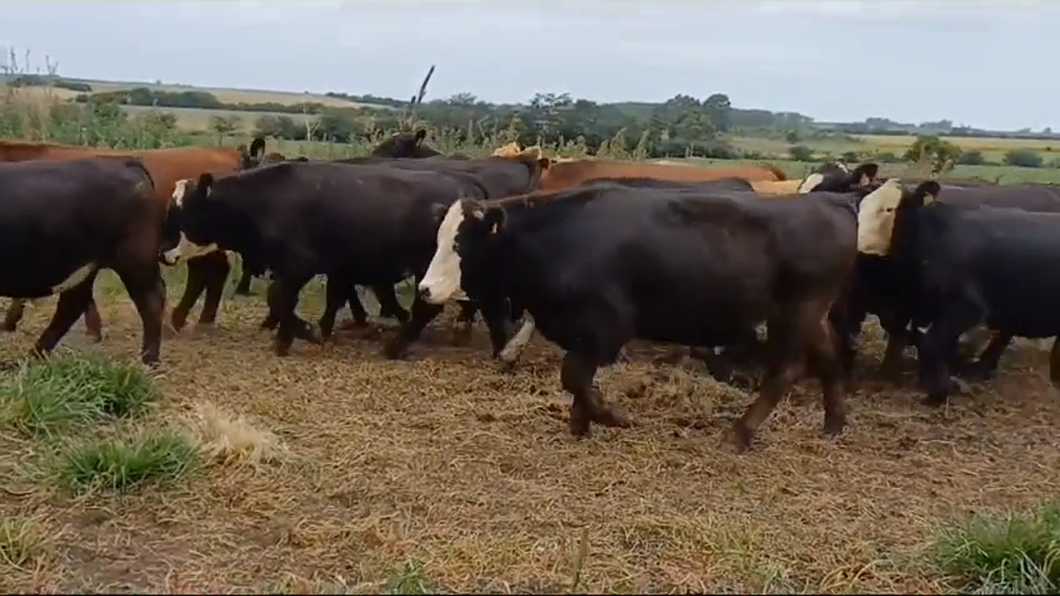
<point>1003,554</point>
<point>48,396</point>
<point>117,465</point>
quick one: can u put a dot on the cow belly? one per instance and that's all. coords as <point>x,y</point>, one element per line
<point>40,286</point>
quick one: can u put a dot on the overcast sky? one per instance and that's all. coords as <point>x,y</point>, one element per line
<point>988,64</point>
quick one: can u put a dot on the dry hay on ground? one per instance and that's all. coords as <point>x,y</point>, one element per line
<point>444,461</point>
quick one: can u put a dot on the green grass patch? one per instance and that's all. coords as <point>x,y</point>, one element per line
<point>117,465</point>
<point>49,396</point>
<point>1003,554</point>
<point>408,580</point>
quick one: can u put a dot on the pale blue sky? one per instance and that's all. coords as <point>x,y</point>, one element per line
<point>987,64</point>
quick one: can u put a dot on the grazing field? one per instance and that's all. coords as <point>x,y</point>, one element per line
<point>993,149</point>
<point>336,471</point>
<point>226,95</point>
<point>194,119</point>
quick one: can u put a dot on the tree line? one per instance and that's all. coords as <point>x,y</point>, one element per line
<point>681,126</point>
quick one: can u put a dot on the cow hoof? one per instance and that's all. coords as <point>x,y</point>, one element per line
<point>461,336</point>
<point>8,328</point>
<point>741,438</point>
<point>607,417</point>
<point>353,325</point>
<point>282,348</point>
<point>94,337</point>
<point>833,428</point>
<point>205,329</point>
<point>395,350</point>
<point>506,366</point>
<point>935,399</point>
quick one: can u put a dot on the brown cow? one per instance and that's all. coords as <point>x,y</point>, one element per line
<point>166,167</point>
<point>568,174</point>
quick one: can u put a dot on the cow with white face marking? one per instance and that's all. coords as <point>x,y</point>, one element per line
<point>832,178</point>
<point>357,224</point>
<point>74,218</point>
<point>599,265</point>
<point>890,279</point>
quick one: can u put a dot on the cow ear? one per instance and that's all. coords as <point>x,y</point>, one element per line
<point>420,135</point>
<point>494,219</point>
<point>865,174</point>
<point>927,192</point>
<point>544,163</point>
<point>257,148</point>
<point>205,183</point>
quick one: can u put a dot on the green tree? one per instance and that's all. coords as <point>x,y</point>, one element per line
<point>939,154</point>
<point>801,153</point>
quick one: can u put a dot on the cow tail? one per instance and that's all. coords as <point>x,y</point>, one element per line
<point>139,166</point>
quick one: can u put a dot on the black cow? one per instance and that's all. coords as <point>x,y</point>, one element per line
<point>365,224</point>
<point>890,286</point>
<point>599,265</point>
<point>74,218</point>
<point>404,145</point>
<point>830,177</point>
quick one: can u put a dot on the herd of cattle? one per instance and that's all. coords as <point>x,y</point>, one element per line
<point>591,253</point>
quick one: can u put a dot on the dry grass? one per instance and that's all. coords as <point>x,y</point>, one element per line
<point>441,473</point>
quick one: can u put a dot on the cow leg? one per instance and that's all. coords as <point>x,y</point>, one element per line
<point>72,304</point>
<point>515,345</point>
<point>941,341</point>
<point>587,406</point>
<point>494,313</point>
<point>93,322</point>
<point>388,303</point>
<point>1054,363</point>
<point>194,288</point>
<point>243,287</point>
<point>422,314</point>
<point>14,314</point>
<point>337,291</point>
<point>302,330</point>
<point>897,328</point>
<point>148,292</point>
<point>985,366</point>
<point>783,367</point>
<point>464,323</point>
<point>285,290</point>
<point>216,275</point>
<point>359,316</point>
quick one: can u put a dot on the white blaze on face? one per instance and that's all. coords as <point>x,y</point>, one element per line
<point>441,282</point>
<point>75,278</point>
<point>876,218</point>
<point>810,182</point>
<point>185,249</point>
<point>179,190</point>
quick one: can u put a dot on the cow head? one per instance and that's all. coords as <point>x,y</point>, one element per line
<point>531,157</point>
<point>252,157</point>
<point>836,177</point>
<point>467,224</point>
<point>405,145</point>
<point>192,214</point>
<point>880,209</point>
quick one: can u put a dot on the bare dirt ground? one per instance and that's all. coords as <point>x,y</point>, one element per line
<point>443,468</point>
